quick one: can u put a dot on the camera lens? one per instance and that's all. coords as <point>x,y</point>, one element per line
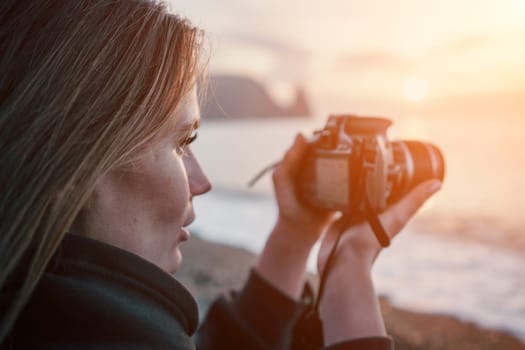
<point>415,162</point>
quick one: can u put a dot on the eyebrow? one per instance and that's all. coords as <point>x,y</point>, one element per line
<point>194,125</point>
<point>185,129</point>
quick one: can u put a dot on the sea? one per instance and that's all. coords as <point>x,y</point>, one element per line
<point>465,257</point>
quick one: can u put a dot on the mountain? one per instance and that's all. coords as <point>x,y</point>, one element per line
<point>232,96</point>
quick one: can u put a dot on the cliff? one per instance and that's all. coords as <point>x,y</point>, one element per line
<point>230,96</point>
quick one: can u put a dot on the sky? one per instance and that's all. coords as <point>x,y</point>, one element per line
<point>450,72</point>
<point>400,55</point>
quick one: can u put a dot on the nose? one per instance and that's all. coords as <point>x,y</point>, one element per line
<point>198,181</point>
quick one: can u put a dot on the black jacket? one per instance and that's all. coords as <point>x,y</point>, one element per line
<point>96,296</point>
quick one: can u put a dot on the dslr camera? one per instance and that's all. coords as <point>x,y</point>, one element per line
<point>353,167</point>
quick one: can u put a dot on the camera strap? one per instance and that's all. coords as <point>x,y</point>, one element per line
<point>373,220</point>
<point>308,333</point>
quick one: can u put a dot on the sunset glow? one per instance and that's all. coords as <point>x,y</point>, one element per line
<point>356,53</point>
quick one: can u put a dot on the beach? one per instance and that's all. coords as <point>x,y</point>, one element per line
<point>208,269</point>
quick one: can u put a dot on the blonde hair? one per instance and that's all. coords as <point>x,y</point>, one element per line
<point>85,85</point>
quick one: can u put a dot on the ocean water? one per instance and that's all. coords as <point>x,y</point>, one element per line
<point>422,271</point>
<point>485,158</point>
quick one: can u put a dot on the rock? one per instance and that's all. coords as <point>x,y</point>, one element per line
<point>231,97</point>
<point>209,269</point>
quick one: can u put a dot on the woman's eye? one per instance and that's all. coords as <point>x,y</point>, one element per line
<point>190,138</point>
<point>181,147</point>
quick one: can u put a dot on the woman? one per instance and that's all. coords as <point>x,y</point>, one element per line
<point>98,110</point>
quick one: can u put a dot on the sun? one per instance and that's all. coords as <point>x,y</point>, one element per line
<point>415,89</point>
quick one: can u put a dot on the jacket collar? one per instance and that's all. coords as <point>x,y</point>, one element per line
<point>123,267</point>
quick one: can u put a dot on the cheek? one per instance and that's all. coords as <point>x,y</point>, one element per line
<point>171,195</point>
<point>160,189</point>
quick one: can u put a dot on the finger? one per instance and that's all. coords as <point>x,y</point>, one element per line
<point>295,153</point>
<point>397,216</point>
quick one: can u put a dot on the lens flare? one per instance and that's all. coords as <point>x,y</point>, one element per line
<point>415,89</point>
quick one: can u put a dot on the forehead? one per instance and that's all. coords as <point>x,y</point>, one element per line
<point>189,112</point>
<point>187,116</point>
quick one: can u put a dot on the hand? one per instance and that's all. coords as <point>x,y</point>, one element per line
<point>293,215</point>
<point>283,259</point>
<point>349,307</point>
<point>359,240</point>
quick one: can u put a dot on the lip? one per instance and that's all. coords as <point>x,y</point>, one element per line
<point>189,220</point>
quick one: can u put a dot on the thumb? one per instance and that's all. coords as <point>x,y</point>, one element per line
<point>328,241</point>
<point>396,217</point>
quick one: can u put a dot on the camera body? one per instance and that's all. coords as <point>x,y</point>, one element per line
<point>351,164</point>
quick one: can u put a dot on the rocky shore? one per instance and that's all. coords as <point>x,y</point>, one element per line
<point>208,269</point>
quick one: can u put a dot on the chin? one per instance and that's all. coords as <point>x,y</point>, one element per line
<point>175,261</point>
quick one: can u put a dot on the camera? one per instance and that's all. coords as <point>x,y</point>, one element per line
<point>353,167</point>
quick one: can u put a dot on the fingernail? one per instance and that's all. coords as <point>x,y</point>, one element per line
<point>434,186</point>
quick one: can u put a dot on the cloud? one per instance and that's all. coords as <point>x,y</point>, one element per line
<point>269,43</point>
<point>466,43</point>
<point>288,62</point>
<point>388,61</point>
<point>374,60</point>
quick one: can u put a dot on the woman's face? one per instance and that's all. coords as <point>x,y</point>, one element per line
<point>145,207</point>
